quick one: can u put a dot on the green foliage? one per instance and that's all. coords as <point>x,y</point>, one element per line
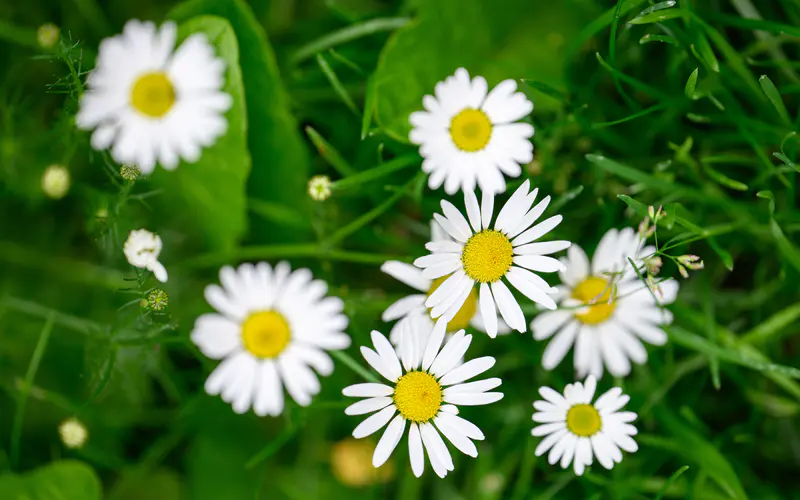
<point>65,480</point>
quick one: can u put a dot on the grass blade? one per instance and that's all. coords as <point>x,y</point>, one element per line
<point>658,16</point>
<point>675,475</point>
<point>336,84</point>
<point>347,34</point>
<point>775,98</point>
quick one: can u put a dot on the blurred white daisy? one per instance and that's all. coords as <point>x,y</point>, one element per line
<point>484,255</point>
<point>468,315</point>
<point>606,309</point>
<point>151,103</point>
<point>423,392</point>
<point>468,137</point>
<point>273,327</point>
<point>142,249</point>
<point>577,431</point>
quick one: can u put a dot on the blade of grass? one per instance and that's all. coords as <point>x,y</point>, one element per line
<point>330,153</point>
<point>347,34</point>
<point>773,326</point>
<point>353,365</point>
<point>330,74</point>
<point>658,16</point>
<point>775,98</point>
<point>391,166</point>
<point>674,477</point>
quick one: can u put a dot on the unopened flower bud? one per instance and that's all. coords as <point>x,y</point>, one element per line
<point>73,433</point>
<point>55,181</point>
<point>48,35</point>
<point>319,187</point>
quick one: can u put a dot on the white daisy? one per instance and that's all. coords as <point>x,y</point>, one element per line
<point>142,249</point>
<point>423,393</point>
<point>150,103</point>
<point>468,315</point>
<point>483,255</point>
<point>606,309</point>
<point>468,137</point>
<point>273,327</point>
<point>575,430</point>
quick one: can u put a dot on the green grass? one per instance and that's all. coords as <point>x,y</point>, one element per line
<point>692,106</point>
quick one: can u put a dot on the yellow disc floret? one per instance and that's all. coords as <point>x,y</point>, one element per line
<point>584,420</point>
<point>153,94</point>
<point>467,311</point>
<point>418,396</point>
<point>597,294</point>
<point>266,334</point>
<point>487,256</point>
<point>471,130</point>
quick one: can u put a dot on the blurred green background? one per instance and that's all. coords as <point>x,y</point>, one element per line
<point>692,106</point>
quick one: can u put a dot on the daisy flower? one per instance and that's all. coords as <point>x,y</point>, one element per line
<point>607,310</point>
<point>142,249</point>
<point>469,137</point>
<point>422,395</point>
<point>576,430</point>
<point>272,329</point>
<point>468,315</point>
<point>483,254</point>
<point>151,103</point>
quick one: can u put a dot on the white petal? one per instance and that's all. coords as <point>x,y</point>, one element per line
<point>440,458</point>
<point>522,282</point>
<point>216,336</point>
<point>549,441</point>
<point>473,210</point>
<point>457,219</point>
<point>386,352</point>
<point>377,363</point>
<point>474,399</point>
<point>488,310</point>
<point>471,368</point>
<point>415,450</point>
<point>537,231</point>
<point>508,306</point>
<point>450,354</point>
<point>367,390</point>
<point>388,442</point>
<point>455,231</point>
<point>487,208</point>
<point>576,266</point>
<point>476,387</point>
<point>547,323</point>
<point>368,406</point>
<point>558,347</point>
<point>538,263</point>
<point>407,274</point>
<point>269,395</point>
<point>374,422</point>
<point>459,440</point>
<point>434,343</point>
<point>403,307</point>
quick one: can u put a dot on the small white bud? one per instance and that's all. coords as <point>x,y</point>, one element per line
<point>73,433</point>
<point>319,187</point>
<point>55,181</point>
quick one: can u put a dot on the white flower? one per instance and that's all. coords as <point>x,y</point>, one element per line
<point>73,433</point>
<point>150,103</point>
<point>273,327</point>
<point>55,181</point>
<point>483,255</point>
<point>319,187</point>
<point>575,430</point>
<point>607,310</point>
<point>423,393</point>
<point>468,315</point>
<point>142,249</point>
<point>468,137</point>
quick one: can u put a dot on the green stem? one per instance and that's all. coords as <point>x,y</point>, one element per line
<point>272,447</point>
<point>372,174</point>
<point>347,34</point>
<point>351,363</point>
<point>33,367</point>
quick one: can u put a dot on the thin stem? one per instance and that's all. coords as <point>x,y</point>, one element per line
<point>272,447</point>
<point>351,363</point>
<point>347,34</point>
<point>372,174</point>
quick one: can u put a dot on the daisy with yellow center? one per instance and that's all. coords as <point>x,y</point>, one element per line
<point>272,329</point>
<point>427,381</point>
<point>605,311</point>
<point>151,103</point>
<point>470,136</point>
<point>577,431</point>
<point>489,255</point>
<point>468,315</point>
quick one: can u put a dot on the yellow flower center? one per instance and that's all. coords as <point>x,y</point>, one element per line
<point>153,94</point>
<point>418,396</point>
<point>597,293</point>
<point>467,311</point>
<point>471,130</point>
<point>584,420</point>
<point>487,256</point>
<point>266,334</point>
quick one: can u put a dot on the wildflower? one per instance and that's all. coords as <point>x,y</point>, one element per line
<point>607,312</point>
<point>272,327</point>
<point>423,393</point>
<point>693,262</point>
<point>129,172</point>
<point>157,299</point>
<point>468,137</point>
<point>55,181</point>
<point>653,264</point>
<point>151,103</point>
<point>576,431</point>
<point>485,255</point>
<point>48,35</point>
<point>319,187</point>
<point>142,249</point>
<point>351,462</point>
<point>73,433</point>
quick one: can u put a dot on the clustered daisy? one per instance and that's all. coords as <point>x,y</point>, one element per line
<point>152,103</point>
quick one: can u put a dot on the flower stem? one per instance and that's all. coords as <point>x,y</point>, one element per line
<point>351,363</point>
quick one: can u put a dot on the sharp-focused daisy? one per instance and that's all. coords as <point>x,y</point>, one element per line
<point>468,137</point>
<point>468,315</point>
<point>423,393</point>
<point>273,327</point>
<point>151,103</point>
<point>483,254</point>
<point>142,249</point>
<point>606,309</point>
<point>577,431</point>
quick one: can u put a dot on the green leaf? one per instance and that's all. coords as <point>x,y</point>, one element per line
<point>62,480</point>
<point>786,247</point>
<point>691,83</point>
<point>675,475</point>
<point>208,199</point>
<point>161,484</point>
<point>280,158</point>
<point>724,179</point>
<point>491,39</point>
<point>774,325</point>
<point>657,16</point>
<point>775,98</point>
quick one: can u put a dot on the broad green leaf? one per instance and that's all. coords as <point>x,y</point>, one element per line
<point>61,480</point>
<point>208,198</point>
<point>492,39</point>
<point>657,16</point>
<point>775,98</point>
<point>280,159</point>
